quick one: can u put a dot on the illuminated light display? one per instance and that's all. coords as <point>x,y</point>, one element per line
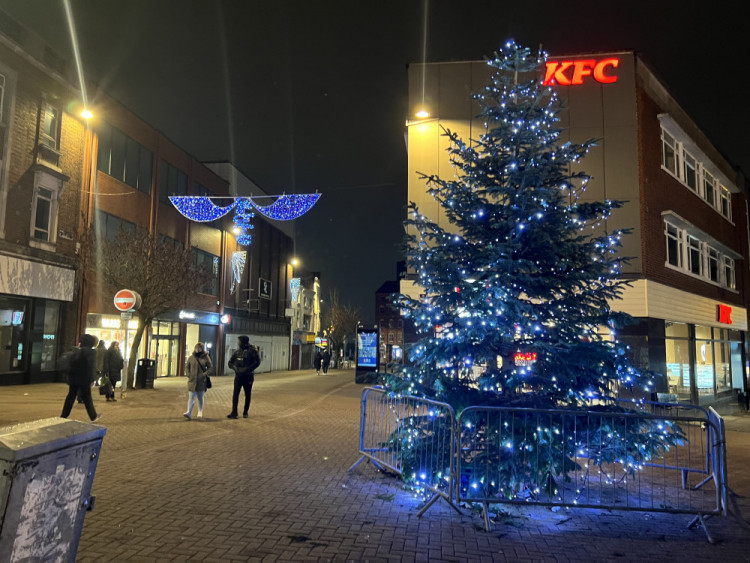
<point>285,208</point>
<point>238,266</point>
<point>567,73</point>
<point>724,314</point>
<point>199,208</point>
<point>294,286</point>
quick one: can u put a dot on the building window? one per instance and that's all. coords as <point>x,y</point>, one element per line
<point>110,226</point>
<point>674,245</point>
<point>690,254</point>
<point>124,158</point>
<point>695,172</point>
<point>43,214</point>
<point>50,126</point>
<point>172,181</point>
<point>669,152</point>
<point>691,179</point>
<point>694,256</point>
<point>211,263</point>
<point>44,207</point>
<point>728,266</point>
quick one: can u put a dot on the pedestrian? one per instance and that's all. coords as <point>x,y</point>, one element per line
<point>326,361</point>
<point>82,376</point>
<point>101,360</point>
<point>198,366</point>
<point>113,367</point>
<point>244,361</point>
<point>318,361</point>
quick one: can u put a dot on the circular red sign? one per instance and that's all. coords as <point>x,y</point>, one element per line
<point>125,300</point>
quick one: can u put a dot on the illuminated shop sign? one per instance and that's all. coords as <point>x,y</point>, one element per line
<point>524,358</point>
<point>567,73</point>
<point>186,315</point>
<point>724,314</point>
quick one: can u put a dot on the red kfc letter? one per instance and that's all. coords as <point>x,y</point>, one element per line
<point>582,68</point>
<point>599,75</point>
<point>555,74</point>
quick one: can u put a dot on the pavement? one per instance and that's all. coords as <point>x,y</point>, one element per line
<point>277,487</point>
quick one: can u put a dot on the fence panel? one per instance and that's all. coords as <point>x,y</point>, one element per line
<point>623,461</point>
<point>410,436</point>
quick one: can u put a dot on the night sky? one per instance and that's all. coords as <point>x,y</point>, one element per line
<point>312,96</point>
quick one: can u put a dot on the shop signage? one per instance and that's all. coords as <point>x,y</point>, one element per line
<point>127,300</point>
<point>567,73</point>
<point>264,288</point>
<point>724,314</point>
<point>187,315</point>
<point>524,358</point>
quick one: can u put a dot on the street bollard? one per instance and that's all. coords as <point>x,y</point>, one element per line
<point>46,471</point>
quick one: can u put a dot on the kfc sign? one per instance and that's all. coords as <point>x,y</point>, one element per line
<point>567,73</point>
<point>724,314</point>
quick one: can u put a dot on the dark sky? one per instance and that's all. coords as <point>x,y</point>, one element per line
<point>311,95</point>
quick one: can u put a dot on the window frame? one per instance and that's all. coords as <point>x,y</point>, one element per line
<point>50,139</point>
<point>709,185</point>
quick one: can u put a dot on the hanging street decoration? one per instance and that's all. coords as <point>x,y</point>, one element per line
<point>294,286</point>
<point>284,208</point>
<point>238,266</point>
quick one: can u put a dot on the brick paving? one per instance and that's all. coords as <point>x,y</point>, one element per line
<point>276,487</point>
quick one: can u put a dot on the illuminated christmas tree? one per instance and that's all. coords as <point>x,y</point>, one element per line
<point>516,308</point>
<point>518,288</point>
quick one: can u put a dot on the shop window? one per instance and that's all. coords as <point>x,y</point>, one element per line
<point>677,347</point>
<point>14,318</point>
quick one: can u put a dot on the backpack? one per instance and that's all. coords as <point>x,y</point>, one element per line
<point>70,360</point>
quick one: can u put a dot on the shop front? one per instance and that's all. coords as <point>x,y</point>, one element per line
<point>174,335</point>
<point>32,300</point>
<point>696,345</point>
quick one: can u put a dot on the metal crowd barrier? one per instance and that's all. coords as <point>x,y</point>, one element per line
<point>388,422</point>
<point>566,458</point>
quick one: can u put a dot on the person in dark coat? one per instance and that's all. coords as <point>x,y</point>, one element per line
<point>101,360</point>
<point>81,377</point>
<point>318,361</point>
<point>197,367</point>
<point>244,363</point>
<point>326,361</point>
<point>113,367</point>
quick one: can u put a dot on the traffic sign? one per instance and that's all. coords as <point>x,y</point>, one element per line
<point>127,300</point>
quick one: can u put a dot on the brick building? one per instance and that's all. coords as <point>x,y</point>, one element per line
<point>60,173</point>
<point>686,206</point>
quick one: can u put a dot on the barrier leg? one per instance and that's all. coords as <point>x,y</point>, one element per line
<point>699,519</point>
<point>433,500</point>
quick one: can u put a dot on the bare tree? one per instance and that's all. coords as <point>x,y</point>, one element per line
<point>340,321</point>
<point>164,275</point>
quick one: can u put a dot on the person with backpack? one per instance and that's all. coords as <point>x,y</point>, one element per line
<point>244,362</point>
<point>82,376</point>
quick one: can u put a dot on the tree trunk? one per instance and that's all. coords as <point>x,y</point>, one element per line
<point>133,358</point>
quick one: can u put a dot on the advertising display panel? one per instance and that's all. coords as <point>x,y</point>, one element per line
<point>367,354</point>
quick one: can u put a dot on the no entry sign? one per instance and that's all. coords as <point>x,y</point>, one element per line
<point>127,300</point>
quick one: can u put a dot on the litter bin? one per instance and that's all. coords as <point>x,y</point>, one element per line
<point>46,471</point>
<point>144,373</point>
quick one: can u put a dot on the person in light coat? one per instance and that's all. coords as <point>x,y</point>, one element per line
<point>198,366</point>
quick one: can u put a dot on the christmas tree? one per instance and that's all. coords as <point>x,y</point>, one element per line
<point>517,292</point>
<point>518,289</point>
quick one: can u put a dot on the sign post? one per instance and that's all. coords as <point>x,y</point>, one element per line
<point>126,301</point>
